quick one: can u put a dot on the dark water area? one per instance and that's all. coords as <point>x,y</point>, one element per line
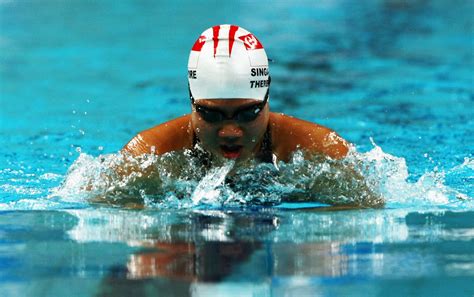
<point>269,252</point>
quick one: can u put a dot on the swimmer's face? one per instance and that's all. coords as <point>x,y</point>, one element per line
<point>231,128</point>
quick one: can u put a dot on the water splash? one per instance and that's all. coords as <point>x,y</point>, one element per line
<point>182,180</point>
<point>207,189</point>
<point>388,175</point>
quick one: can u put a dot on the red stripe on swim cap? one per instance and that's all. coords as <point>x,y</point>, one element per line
<point>215,37</point>
<point>251,42</point>
<point>199,43</point>
<point>232,31</point>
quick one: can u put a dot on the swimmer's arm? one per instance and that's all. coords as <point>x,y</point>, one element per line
<point>128,171</point>
<point>351,184</point>
<point>342,186</point>
<point>133,171</point>
<point>145,142</point>
<point>322,140</point>
<point>348,188</point>
<point>137,146</point>
<point>171,136</point>
<point>292,134</point>
<point>125,182</point>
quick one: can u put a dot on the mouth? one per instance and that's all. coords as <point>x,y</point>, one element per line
<point>231,151</point>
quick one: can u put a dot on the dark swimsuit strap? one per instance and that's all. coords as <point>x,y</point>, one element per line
<point>266,152</point>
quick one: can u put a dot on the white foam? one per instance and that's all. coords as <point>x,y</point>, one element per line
<point>179,180</point>
<point>206,190</point>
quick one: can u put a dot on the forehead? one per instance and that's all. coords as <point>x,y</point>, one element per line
<point>227,103</point>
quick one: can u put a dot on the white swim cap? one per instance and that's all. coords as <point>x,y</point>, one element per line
<point>227,62</point>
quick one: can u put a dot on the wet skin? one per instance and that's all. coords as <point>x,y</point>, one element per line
<point>236,139</point>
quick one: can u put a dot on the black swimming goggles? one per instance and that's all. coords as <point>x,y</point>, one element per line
<point>244,115</point>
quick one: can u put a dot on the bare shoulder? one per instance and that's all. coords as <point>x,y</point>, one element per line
<point>169,136</point>
<point>290,134</point>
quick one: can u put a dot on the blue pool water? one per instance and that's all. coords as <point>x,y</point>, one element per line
<point>79,78</point>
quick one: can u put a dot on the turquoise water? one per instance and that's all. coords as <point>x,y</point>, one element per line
<point>78,79</point>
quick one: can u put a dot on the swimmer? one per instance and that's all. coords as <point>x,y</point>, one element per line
<point>229,91</point>
<point>229,87</point>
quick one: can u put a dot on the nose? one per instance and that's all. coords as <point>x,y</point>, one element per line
<point>230,131</point>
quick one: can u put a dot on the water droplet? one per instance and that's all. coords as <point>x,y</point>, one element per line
<point>85,112</point>
<point>82,132</point>
<point>78,149</point>
<point>73,112</point>
<point>100,148</point>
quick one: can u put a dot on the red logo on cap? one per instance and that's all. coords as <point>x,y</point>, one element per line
<point>199,43</point>
<point>251,42</point>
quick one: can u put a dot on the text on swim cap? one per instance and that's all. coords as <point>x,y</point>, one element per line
<point>259,83</point>
<point>192,74</point>
<point>259,71</point>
